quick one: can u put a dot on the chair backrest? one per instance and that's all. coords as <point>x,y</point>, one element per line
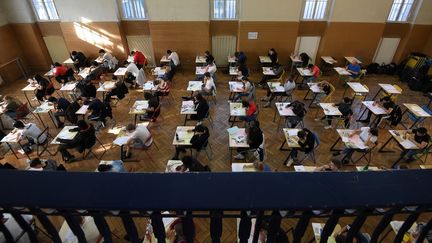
<point>361,75</point>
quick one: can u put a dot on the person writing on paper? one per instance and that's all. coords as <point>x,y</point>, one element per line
<point>246,89</point>
<point>299,110</point>
<point>345,108</point>
<point>341,236</point>
<point>84,139</point>
<point>353,68</point>
<point>273,56</point>
<point>112,166</point>
<point>386,103</point>
<point>10,106</point>
<point>315,71</point>
<point>420,138</point>
<point>131,72</point>
<point>251,110</point>
<point>243,71</point>
<point>369,138</point>
<point>201,107</point>
<point>61,73</point>
<point>255,138</point>
<point>38,165</point>
<point>208,57</point>
<point>79,60</point>
<point>139,59</point>
<point>306,141</point>
<point>162,87</point>
<point>107,59</point>
<point>289,87</point>
<point>174,58</point>
<point>277,70</point>
<point>208,85</point>
<point>31,132</point>
<point>240,57</point>
<point>44,87</point>
<point>211,68</point>
<point>331,166</point>
<point>326,88</point>
<point>61,107</point>
<point>198,140</point>
<point>152,111</point>
<point>139,138</point>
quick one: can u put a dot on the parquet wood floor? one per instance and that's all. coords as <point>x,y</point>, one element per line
<point>171,118</point>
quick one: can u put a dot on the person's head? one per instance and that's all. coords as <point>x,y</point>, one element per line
<point>374,131</point>
<point>199,97</point>
<point>57,64</point>
<point>276,65</point>
<point>130,127</point>
<point>132,53</point>
<point>74,53</point>
<point>245,79</point>
<point>254,124</point>
<point>82,124</point>
<point>36,163</point>
<point>52,99</point>
<point>94,63</point>
<point>347,100</point>
<point>272,51</point>
<point>18,124</point>
<point>386,99</point>
<point>101,52</point>
<point>421,131</point>
<point>207,75</point>
<point>291,78</point>
<point>125,63</point>
<point>38,78</point>
<point>210,62</point>
<point>207,53</point>
<point>354,62</point>
<point>104,167</point>
<point>310,65</point>
<point>169,52</point>
<point>148,95</point>
<point>301,134</point>
<point>188,161</point>
<point>245,103</point>
<point>200,129</point>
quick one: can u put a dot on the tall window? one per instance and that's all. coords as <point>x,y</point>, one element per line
<point>133,9</point>
<point>224,9</point>
<point>45,9</point>
<point>401,10</point>
<point>315,9</point>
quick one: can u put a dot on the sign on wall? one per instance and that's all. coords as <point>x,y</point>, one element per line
<point>252,35</point>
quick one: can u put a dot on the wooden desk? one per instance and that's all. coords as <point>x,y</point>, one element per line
<point>328,59</point>
<point>120,72</point>
<point>200,70</point>
<point>315,89</point>
<point>400,136</point>
<point>330,109</point>
<point>291,139</point>
<point>106,87</point>
<point>149,86</point>
<point>243,167</point>
<point>200,60</point>
<point>417,111</point>
<point>184,134</point>
<point>327,63</point>
<point>359,89</point>
<point>45,108</point>
<point>139,108</point>
<point>12,138</point>
<point>187,109</point>
<point>233,71</point>
<point>82,111</point>
<point>194,86</point>
<point>268,71</point>
<point>31,87</point>
<point>304,73</point>
<point>236,110</point>
<point>172,165</point>
<point>158,71</point>
<point>65,134</point>
<point>264,59</point>
<point>283,110</point>
<point>351,59</point>
<point>349,140</point>
<point>85,72</point>
<point>49,74</point>
<point>235,87</point>
<point>388,89</point>
<point>342,71</point>
<point>302,168</point>
<point>231,60</point>
<point>237,139</point>
<point>376,109</point>
<point>164,61</point>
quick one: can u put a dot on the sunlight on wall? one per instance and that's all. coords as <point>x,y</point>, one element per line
<point>93,37</point>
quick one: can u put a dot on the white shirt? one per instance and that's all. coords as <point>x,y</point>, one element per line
<point>289,86</point>
<point>132,68</point>
<point>107,56</point>
<point>248,87</point>
<point>365,135</point>
<point>175,58</point>
<point>209,84</point>
<point>211,69</point>
<point>32,131</point>
<point>143,134</point>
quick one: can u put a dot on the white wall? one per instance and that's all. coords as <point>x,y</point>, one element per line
<point>367,11</point>
<point>18,11</point>
<point>424,15</point>
<point>178,10</point>
<point>93,10</point>
<point>274,10</point>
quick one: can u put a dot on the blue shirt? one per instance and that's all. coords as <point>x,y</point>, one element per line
<point>354,68</point>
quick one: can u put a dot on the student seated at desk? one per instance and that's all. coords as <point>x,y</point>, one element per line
<point>246,90</point>
<point>10,106</point>
<point>139,138</point>
<point>243,71</point>
<point>175,60</point>
<point>113,166</point>
<point>61,73</point>
<point>153,104</point>
<point>38,165</point>
<point>273,56</point>
<point>108,60</point>
<point>61,109</point>
<point>139,59</point>
<point>208,57</point>
<point>176,233</point>
<point>95,107</point>
<point>316,72</point>
<point>240,57</point>
<point>31,132</point>
<point>254,139</point>
<point>201,107</point>
<point>289,87</point>
<point>387,103</point>
<point>277,69</point>
<point>84,139</point>
<point>79,60</point>
<point>208,85</point>
<point>369,136</point>
<point>162,87</point>
<point>191,164</point>
<point>345,108</point>
<point>120,90</point>
<point>341,236</point>
<point>326,87</point>
<point>94,72</point>
<point>87,90</point>
<point>299,111</point>
<point>420,138</point>
<point>44,88</point>
<point>211,68</point>
<point>353,68</point>
<point>131,72</point>
<point>198,140</point>
<point>306,142</point>
<point>305,59</point>
<point>251,110</point>
<point>261,166</point>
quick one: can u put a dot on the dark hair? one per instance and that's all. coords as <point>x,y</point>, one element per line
<point>310,65</point>
<point>207,52</point>
<point>35,162</point>
<point>74,53</point>
<point>422,130</point>
<point>199,96</point>
<point>130,127</point>
<point>273,50</point>
<point>101,51</point>
<point>301,134</point>
<point>104,167</point>
<point>148,95</point>
<point>386,98</point>
<point>374,131</point>
<point>254,124</point>
<point>169,51</point>
<point>340,238</point>
<point>245,103</point>
<point>209,62</point>
<point>82,124</point>
<point>94,63</point>
<point>188,161</point>
<point>245,78</point>
<point>57,64</point>
<point>132,52</point>
<point>207,74</point>
<point>125,62</point>
<point>52,99</point>
<point>18,124</point>
<point>347,99</point>
<point>291,77</point>
<point>200,128</point>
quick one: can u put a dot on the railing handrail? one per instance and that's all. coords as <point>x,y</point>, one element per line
<point>210,191</point>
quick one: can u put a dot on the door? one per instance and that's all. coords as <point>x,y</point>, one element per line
<point>309,45</point>
<point>57,48</point>
<point>386,50</point>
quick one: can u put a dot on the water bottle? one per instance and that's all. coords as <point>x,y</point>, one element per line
<point>177,136</point>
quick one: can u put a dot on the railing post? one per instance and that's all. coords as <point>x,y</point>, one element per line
<point>188,228</point>
<point>49,227</point>
<point>75,226</point>
<point>406,226</point>
<point>382,225</point>
<point>25,226</point>
<point>301,226</point>
<point>103,228</point>
<point>273,229</point>
<point>329,226</point>
<point>130,227</point>
<point>257,228</point>
<point>158,226</point>
<point>215,226</point>
<point>244,227</point>
<point>356,225</point>
<point>424,231</point>
<point>8,236</point>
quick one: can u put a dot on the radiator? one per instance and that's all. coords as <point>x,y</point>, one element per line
<point>142,43</point>
<point>223,46</point>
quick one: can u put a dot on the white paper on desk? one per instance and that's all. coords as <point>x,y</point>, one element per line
<point>408,144</point>
<point>141,107</point>
<point>317,229</point>
<point>233,130</point>
<point>292,132</point>
<point>121,141</point>
<point>299,168</point>
<point>345,139</point>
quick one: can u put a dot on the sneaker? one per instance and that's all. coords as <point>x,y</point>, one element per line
<point>239,156</point>
<point>290,162</point>
<point>328,127</point>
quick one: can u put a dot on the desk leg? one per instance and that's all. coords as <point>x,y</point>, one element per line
<point>281,147</point>
<point>43,124</point>
<point>307,93</point>
<point>28,100</point>
<point>332,148</point>
<point>274,116</point>
<point>346,87</point>
<point>312,101</point>
<point>121,152</point>
<point>361,115</point>
<point>185,120</point>
<point>52,119</point>
<point>381,150</point>
<point>135,119</point>
<point>231,155</point>
<point>379,91</point>
<point>10,147</point>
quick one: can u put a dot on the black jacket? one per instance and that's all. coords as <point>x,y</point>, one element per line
<point>84,139</point>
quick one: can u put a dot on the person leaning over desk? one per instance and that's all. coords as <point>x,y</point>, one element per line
<point>420,138</point>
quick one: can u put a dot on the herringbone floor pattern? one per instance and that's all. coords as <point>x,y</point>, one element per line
<point>164,131</point>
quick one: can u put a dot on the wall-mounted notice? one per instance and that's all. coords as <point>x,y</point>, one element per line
<point>252,35</point>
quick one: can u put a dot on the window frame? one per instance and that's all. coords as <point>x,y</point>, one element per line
<point>326,11</point>
<point>46,11</point>
<point>237,11</point>
<point>410,14</point>
<point>122,14</point>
